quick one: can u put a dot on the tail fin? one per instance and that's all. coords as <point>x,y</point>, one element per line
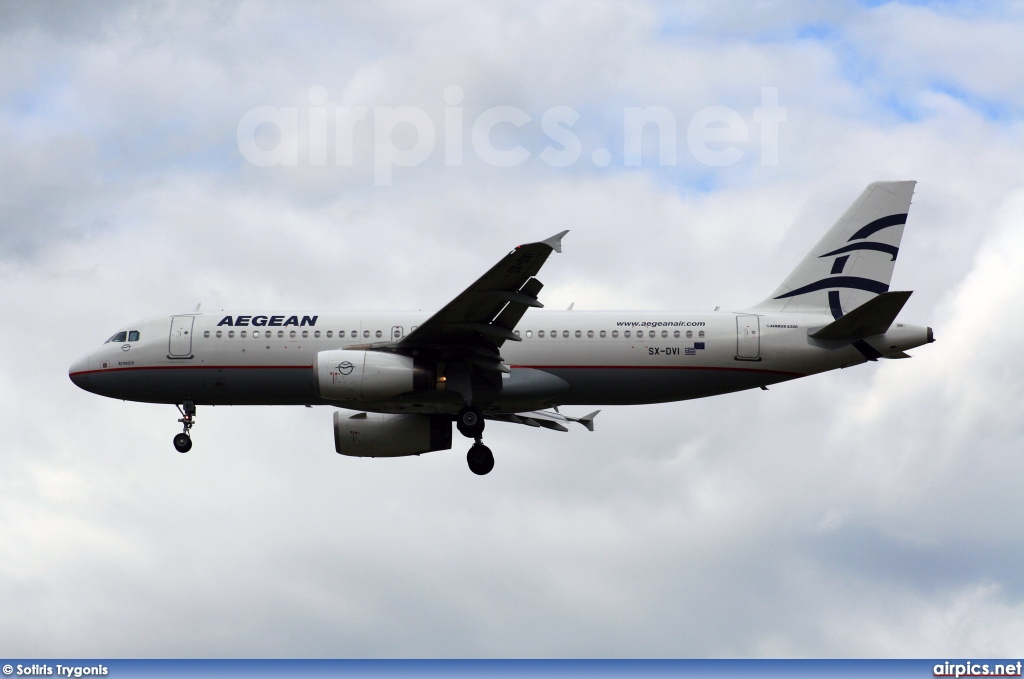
<point>853,262</point>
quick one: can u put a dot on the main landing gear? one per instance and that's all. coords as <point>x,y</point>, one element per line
<point>470,423</point>
<point>182,441</point>
<point>480,459</point>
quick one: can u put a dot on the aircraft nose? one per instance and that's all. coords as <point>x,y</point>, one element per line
<point>77,371</point>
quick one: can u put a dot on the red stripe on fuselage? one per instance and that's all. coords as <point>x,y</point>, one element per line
<point>658,367</point>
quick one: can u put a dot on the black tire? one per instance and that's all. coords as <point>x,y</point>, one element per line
<point>470,422</point>
<point>480,459</point>
<point>182,443</point>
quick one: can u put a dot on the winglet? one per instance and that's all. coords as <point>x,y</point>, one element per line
<point>555,242</point>
<point>588,420</point>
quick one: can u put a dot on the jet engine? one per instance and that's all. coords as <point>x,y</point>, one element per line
<point>381,435</point>
<point>351,375</point>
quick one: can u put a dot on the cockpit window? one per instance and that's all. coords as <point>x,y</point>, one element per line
<point>119,337</point>
<point>133,335</point>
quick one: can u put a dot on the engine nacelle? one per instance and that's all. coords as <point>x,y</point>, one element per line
<point>380,435</point>
<point>351,375</point>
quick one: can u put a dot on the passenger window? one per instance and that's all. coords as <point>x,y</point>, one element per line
<point>615,333</point>
<point>540,333</point>
<point>341,333</point>
<point>579,334</point>
<point>242,334</point>
<point>590,333</point>
<point>626,334</point>
<point>689,334</point>
<point>700,334</point>
<point>664,333</point>
<point>280,333</point>
<point>206,334</point>
<point>133,335</point>
<point>675,334</point>
<point>554,334</point>
<point>366,333</point>
<point>255,334</point>
<point>219,333</point>
<point>355,334</point>
<point>604,334</point>
<point>516,333</point>
<point>529,334</point>
<point>291,334</point>
<point>639,333</point>
<point>378,334</point>
<point>231,333</point>
<point>565,333</point>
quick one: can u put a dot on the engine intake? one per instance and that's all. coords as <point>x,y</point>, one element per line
<point>381,435</point>
<point>351,375</point>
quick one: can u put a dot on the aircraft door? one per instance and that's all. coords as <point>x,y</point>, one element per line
<point>396,333</point>
<point>181,337</point>
<point>748,340</point>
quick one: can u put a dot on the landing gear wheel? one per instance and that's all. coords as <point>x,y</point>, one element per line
<point>470,422</point>
<point>480,459</point>
<point>182,443</point>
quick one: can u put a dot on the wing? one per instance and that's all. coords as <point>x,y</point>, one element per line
<point>491,307</point>
<point>465,337</point>
<point>545,418</point>
<point>474,326</point>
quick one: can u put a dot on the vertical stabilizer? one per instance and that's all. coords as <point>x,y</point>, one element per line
<point>853,262</point>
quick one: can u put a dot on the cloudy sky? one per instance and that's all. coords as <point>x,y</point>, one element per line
<point>876,511</point>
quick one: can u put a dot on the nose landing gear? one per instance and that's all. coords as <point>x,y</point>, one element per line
<point>470,422</point>
<point>182,441</point>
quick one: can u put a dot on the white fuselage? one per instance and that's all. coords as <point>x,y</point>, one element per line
<point>606,357</point>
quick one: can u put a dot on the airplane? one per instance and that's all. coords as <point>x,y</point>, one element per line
<point>491,354</point>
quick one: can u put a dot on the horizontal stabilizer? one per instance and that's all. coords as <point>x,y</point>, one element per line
<point>871,318</point>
